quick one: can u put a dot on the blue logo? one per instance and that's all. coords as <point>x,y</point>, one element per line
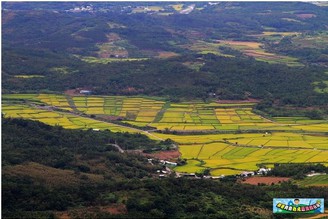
<point>298,205</point>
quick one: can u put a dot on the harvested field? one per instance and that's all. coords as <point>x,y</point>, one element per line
<point>164,155</point>
<point>268,180</point>
<point>257,51</point>
<point>166,54</point>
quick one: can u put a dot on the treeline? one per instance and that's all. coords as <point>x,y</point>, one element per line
<point>270,108</point>
<point>165,198</point>
<point>311,55</point>
<point>297,171</point>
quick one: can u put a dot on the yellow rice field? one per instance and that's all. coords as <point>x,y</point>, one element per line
<point>227,151</point>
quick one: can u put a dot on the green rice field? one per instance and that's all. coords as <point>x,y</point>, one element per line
<point>320,180</point>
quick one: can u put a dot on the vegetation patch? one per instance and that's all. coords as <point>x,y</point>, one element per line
<point>29,76</point>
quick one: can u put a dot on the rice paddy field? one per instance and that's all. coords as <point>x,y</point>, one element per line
<point>253,49</point>
<point>226,157</point>
<point>227,138</point>
<point>256,50</point>
<point>29,76</point>
<point>65,120</point>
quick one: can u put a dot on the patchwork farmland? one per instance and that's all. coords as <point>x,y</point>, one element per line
<point>253,49</point>
<point>227,138</point>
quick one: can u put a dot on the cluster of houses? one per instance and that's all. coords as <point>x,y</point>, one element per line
<point>164,173</point>
<point>86,92</point>
<point>168,165</point>
<point>165,162</point>
<point>261,171</point>
<point>81,9</point>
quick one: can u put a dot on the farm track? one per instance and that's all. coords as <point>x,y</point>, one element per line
<point>254,146</point>
<point>160,114</point>
<point>118,147</point>
<point>71,103</point>
<point>200,151</point>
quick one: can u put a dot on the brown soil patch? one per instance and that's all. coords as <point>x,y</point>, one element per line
<point>76,92</point>
<point>161,155</point>
<point>268,180</point>
<point>253,45</point>
<point>112,37</point>
<point>165,54</point>
<point>113,209</point>
<point>164,155</point>
<point>72,92</point>
<point>305,16</point>
<point>63,215</point>
<point>263,55</point>
<point>131,90</point>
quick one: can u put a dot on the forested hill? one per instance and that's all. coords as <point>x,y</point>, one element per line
<point>275,51</point>
<point>228,78</point>
<point>49,171</point>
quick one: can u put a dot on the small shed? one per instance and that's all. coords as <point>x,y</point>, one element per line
<point>87,92</point>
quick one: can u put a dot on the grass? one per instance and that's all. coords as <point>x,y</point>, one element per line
<point>193,166</point>
<point>29,76</point>
<point>316,40</point>
<point>194,65</point>
<point>19,96</point>
<point>155,8</point>
<point>177,7</point>
<point>223,171</point>
<point>90,59</point>
<point>203,47</point>
<point>319,180</point>
<point>270,33</point>
<point>319,89</point>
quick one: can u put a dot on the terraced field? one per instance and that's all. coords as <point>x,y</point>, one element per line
<point>186,117</point>
<point>253,49</point>
<point>58,101</point>
<point>256,50</point>
<point>65,120</point>
<point>223,146</point>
